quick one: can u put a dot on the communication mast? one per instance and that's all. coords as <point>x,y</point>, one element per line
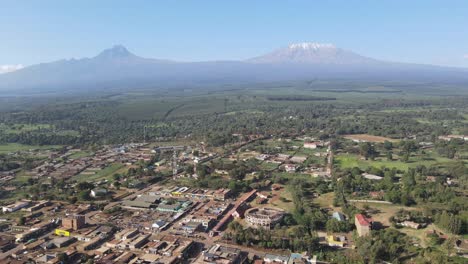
<point>175,167</point>
<point>174,149</point>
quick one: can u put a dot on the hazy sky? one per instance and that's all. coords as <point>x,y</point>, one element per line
<point>421,31</point>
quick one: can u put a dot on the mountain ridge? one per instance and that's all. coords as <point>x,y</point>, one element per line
<point>117,67</point>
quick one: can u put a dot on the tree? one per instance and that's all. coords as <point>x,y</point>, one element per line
<point>408,147</point>
<point>409,180</point>
<point>450,222</point>
<point>202,170</point>
<point>84,195</point>
<point>116,177</point>
<point>388,145</point>
<point>21,220</point>
<point>389,156</point>
<point>189,169</point>
<point>367,150</point>
<point>334,226</point>
<point>237,173</point>
<point>84,186</point>
<point>382,245</point>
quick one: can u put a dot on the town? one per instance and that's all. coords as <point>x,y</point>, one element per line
<point>150,203</point>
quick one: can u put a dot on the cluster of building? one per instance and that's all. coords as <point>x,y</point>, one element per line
<point>157,224</point>
<point>295,163</point>
<point>64,166</point>
<point>6,176</point>
<point>160,225</point>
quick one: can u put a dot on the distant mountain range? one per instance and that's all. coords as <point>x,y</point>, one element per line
<point>118,68</point>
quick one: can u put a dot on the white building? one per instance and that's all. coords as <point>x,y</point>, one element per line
<point>290,168</point>
<point>15,207</point>
<point>371,176</point>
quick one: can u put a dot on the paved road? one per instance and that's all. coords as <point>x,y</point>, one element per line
<point>369,201</point>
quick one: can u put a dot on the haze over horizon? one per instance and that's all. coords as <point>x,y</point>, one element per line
<point>424,32</point>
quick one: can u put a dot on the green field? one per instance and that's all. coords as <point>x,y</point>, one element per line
<point>294,175</point>
<point>80,154</point>
<point>351,161</point>
<point>18,128</point>
<point>15,147</point>
<point>105,173</point>
<point>268,166</point>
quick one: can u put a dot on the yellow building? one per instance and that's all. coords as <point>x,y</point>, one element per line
<point>333,241</point>
<point>61,232</point>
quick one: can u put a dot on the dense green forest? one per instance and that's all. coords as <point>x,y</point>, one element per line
<point>214,116</point>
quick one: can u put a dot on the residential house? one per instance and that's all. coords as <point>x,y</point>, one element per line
<point>363,224</point>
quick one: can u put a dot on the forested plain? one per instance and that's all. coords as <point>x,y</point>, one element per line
<point>330,109</point>
<point>406,113</point>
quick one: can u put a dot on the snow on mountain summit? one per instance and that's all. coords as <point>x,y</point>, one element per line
<point>311,45</point>
<point>312,53</point>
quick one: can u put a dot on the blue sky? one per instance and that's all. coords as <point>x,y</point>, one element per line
<point>433,32</point>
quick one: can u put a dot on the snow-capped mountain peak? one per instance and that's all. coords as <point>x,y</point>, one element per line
<point>312,53</point>
<point>311,46</point>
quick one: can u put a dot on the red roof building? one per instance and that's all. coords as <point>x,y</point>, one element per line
<point>363,224</point>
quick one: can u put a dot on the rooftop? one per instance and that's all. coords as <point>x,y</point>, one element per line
<point>364,221</point>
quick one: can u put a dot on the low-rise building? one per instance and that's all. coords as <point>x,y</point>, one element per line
<point>339,216</point>
<point>273,258</point>
<point>298,159</point>
<point>126,234</point>
<point>363,224</point>
<point>336,241</point>
<point>263,217</point>
<point>139,241</point>
<point>15,207</point>
<point>218,254</point>
<point>98,192</point>
<point>372,176</point>
<point>290,168</point>
<point>61,242</point>
<point>313,145</point>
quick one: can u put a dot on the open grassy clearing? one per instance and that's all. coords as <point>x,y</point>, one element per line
<point>290,176</point>
<point>268,166</point>
<point>351,161</point>
<point>18,128</point>
<point>282,199</point>
<point>105,173</point>
<point>325,200</point>
<point>382,212</point>
<point>310,152</point>
<point>14,147</point>
<point>21,177</point>
<point>369,138</point>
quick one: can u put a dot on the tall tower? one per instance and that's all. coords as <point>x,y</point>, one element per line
<point>174,163</point>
